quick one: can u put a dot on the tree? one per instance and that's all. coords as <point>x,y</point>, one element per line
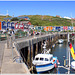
<point>15,19</point>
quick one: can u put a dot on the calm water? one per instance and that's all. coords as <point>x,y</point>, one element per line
<point>60,50</point>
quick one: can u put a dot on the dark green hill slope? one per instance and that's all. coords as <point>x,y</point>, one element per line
<point>45,20</point>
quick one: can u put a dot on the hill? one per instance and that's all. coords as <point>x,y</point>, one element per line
<point>46,20</point>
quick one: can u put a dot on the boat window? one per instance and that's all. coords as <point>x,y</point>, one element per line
<point>36,58</point>
<point>51,58</point>
<point>46,59</point>
<point>42,59</point>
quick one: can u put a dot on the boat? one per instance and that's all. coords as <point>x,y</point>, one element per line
<point>73,65</point>
<point>44,62</point>
<point>60,41</point>
<point>53,46</point>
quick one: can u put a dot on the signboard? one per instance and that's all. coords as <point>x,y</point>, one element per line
<point>65,28</point>
<point>8,25</point>
<point>70,28</point>
<point>19,26</point>
<point>51,28</point>
<point>74,28</point>
<point>0,26</point>
<point>58,29</point>
<point>4,25</point>
<point>12,25</point>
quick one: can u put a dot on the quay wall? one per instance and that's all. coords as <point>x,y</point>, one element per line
<point>29,47</point>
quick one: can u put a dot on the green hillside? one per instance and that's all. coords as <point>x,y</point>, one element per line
<point>46,20</point>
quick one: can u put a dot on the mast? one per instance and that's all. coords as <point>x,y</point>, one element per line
<point>72,22</point>
<point>69,57</point>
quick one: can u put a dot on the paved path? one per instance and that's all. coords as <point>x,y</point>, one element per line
<point>9,66</point>
<point>2,46</point>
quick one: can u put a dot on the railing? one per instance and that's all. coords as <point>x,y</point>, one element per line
<point>21,35</point>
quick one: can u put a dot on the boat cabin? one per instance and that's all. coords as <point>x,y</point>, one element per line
<point>43,57</point>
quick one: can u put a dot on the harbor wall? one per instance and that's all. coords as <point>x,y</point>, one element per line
<point>28,48</point>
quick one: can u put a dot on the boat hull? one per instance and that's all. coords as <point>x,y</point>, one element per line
<point>60,41</point>
<point>44,68</point>
<point>73,65</point>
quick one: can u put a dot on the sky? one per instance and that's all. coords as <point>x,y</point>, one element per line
<point>52,8</point>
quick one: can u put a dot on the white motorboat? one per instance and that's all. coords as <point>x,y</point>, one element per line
<point>53,45</point>
<point>73,65</point>
<point>60,41</point>
<point>44,62</point>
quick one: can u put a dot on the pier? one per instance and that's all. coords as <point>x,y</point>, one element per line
<point>26,48</point>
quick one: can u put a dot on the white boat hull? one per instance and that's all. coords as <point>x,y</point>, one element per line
<point>60,41</point>
<point>73,65</point>
<point>44,68</point>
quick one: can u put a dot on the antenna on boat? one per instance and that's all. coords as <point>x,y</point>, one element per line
<point>72,22</point>
<point>44,46</point>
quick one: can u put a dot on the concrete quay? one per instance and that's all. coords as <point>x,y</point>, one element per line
<point>9,66</point>
<point>2,47</point>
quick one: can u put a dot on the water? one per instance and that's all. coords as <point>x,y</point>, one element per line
<point>60,50</point>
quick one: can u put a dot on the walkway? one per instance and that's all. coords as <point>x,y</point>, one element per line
<point>2,46</point>
<point>10,67</point>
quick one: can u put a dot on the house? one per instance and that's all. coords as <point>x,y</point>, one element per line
<point>58,16</point>
<point>26,22</point>
<point>8,19</point>
<point>25,17</point>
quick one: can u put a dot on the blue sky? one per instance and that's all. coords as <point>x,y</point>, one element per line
<point>53,8</point>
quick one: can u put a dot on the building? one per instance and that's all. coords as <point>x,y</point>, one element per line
<point>67,17</point>
<point>58,16</point>
<point>26,22</point>
<point>25,17</point>
<point>20,18</point>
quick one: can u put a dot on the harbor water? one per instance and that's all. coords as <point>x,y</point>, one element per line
<point>59,51</point>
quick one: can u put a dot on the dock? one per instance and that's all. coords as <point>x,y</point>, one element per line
<point>9,66</point>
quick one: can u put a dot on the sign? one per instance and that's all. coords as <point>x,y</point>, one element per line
<point>8,25</point>
<point>12,25</point>
<point>74,28</point>
<point>0,26</point>
<point>4,25</point>
<point>58,28</point>
<point>19,26</point>
<point>65,27</point>
<point>70,28</point>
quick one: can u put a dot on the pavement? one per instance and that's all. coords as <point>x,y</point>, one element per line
<point>8,65</point>
<point>2,47</point>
